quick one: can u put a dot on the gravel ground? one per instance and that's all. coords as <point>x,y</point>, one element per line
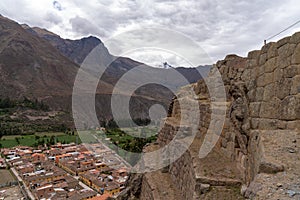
<point>12,193</point>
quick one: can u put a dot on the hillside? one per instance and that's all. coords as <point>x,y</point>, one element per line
<point>75,50</point>
<point>41,66</point>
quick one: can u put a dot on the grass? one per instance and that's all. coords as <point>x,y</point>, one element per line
<point>50,134</point>
<point>9,141</point>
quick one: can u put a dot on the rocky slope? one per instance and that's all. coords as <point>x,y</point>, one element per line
<point>75,50</point>
<point>30,66</point>
<point>257,153</point>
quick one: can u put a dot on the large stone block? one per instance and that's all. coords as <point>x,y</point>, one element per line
<point>291,71</point>
<point>295,89</point>
<point>254,109</point>
<point>290,108</point>
<point>284,62</point>
<point>278,74</point>
<point>269,78</point>
<point>260,81</point>
<point>251,95</point>
<point>254,123</point>
<point>284,51</point>
<point>282,88</point>
<point>296,55</point>
<point>269,92</point>
<point>295,38</point>
<point>272,51</point>
<point>283,41</point>
<point>246,75</point>
<point>271,64</point>
<point>254,54</point>
<point>293,125</point>
<point>259,94</point>
<point>262,59</point>
<point>267,124</point>
<point>270,109</point>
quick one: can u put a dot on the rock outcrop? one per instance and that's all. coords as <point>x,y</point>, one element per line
<point>257,153</point>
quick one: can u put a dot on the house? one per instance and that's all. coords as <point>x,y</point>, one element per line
<point>44,191</point>
<point>102,197</point>
<point>27,168</point>
<point>112,188</point>
<point>38,157</point>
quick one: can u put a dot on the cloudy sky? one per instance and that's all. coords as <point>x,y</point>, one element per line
<point>219,27</point>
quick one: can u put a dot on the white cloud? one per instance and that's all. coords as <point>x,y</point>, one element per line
<point>220,27</point>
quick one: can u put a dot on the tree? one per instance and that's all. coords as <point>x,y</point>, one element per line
<point>52,140</point>
<point>17,140</point>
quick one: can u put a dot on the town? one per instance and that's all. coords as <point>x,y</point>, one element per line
<point>66,171</point>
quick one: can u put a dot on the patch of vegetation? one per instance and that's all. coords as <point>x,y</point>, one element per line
<point>128,142</point>
<point>35,140</point>
<point>7,103</point>
<point>14,127</point>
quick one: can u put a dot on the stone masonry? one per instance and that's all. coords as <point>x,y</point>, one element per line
<point>260,139</point>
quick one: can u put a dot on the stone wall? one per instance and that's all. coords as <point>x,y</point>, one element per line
<point>263,94</point>
<point>182,173</point>
<point>272,78</point>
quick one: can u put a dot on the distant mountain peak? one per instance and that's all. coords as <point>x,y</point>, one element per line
<point>75,50</point>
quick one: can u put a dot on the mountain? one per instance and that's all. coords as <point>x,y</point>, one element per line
<point>75,50</point>
<point>30,66</point>
<point>38,64</point>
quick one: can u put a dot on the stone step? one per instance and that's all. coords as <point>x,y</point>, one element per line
<point>216,181</point>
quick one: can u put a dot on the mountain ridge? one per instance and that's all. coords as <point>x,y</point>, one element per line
<point>38,64</point>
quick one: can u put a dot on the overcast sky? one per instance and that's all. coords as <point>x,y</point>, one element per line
<point>219,27</point>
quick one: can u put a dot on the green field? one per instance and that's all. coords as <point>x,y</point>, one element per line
<point>33,140</point>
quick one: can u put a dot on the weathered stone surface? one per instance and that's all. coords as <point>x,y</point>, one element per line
<point>263,97</point>
<point>289,108</point>
<point>283,41</point>
<point>296,55</point>
<point>278,74</point>
<point>252,55</point>
<point>269,92</point>
<point>282,88</point>
<point>271,64</point>
<point>267,124</point>
<point>259,95</point>
<point>270,168</point>
<point>293,125</point>
<point>269,109</point>
<point>254,109</point>
<point>262,59</point>
<point>254,123</point>
<point>295,38</point>
<point>133,189</point>
<point>272,51</point>
<point>291,71</point>
<point>295,89</point>
<point>203,188</point>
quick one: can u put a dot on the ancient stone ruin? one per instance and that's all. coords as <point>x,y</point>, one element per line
<point>258,153</point>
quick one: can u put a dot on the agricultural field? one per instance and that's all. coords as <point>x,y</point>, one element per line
<point>38,139</point>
